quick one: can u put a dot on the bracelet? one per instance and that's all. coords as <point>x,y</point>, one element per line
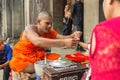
<point>88,46</point>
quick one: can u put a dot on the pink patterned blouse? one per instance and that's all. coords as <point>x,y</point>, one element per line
<point>105,57</point>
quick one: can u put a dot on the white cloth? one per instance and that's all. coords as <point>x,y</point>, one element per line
<point>88,74</point>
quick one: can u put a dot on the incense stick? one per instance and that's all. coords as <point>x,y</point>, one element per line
<point>45,59</point>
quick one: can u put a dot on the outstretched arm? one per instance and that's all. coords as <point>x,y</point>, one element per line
<point>32,35</point>
<point>84,45</point>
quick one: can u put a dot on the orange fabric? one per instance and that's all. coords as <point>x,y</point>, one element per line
<point>24,52</point>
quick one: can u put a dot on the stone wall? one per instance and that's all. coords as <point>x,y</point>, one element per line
<point>93,14</point>
<point>91,17</point>
<point>58,12</point>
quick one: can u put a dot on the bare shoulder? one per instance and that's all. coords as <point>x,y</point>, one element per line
<point>30,27</point>
<point>29,31</point>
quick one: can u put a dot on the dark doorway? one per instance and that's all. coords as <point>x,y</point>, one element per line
<point>101,14</point>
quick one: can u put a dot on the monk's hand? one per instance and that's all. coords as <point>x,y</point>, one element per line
<point>76,34</point>
<point>71,42</point>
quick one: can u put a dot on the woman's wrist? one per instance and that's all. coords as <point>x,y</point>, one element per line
<point>84,45</point>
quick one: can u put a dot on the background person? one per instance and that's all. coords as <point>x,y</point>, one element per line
<point>5,57</point>
<point>67,21</point>
<point>33,40</point>
<point>77,11</point>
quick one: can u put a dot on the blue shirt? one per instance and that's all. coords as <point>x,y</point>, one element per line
<point>7,52</point>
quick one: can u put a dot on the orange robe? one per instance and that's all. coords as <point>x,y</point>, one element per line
<point>24,52</point>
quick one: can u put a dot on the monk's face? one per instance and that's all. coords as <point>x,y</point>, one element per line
<point>45,24</point>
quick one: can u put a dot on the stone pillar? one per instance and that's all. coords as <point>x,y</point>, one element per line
<point>51,7</point>
<point>0,16</point>
<point>4,19</point>
<point>27,14</point>
<point>12,18</point>
<point>91,17</point>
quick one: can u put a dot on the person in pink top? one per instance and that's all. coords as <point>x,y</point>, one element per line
<point>105,44</point>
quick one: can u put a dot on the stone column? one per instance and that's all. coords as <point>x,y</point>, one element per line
<point>91,17</point>
<point>27,14</point>
<point>51,7</point>
<point>4,19</point>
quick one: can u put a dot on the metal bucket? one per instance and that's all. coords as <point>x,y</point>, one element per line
<point>39,68</point>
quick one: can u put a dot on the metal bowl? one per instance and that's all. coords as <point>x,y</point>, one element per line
<point>60,63</point>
